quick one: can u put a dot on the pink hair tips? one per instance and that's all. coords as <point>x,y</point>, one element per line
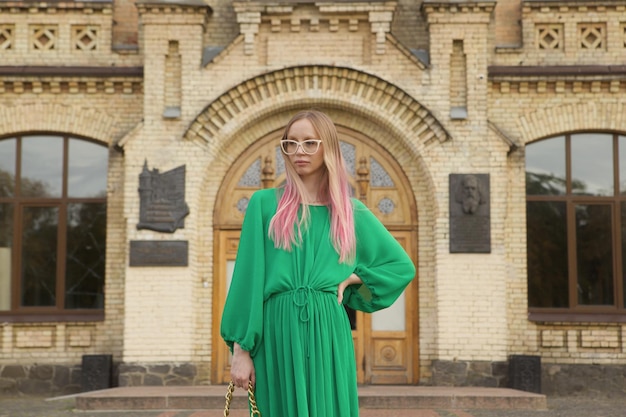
<point>285,228</point>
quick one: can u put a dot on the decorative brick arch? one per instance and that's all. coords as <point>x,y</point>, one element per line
<point>91,123</point>
<point>276,91</point>
<point>354,100</point>
<point>580,116</point>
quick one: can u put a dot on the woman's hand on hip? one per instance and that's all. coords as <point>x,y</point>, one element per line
<point>351,280</point>
<point>242,368</point>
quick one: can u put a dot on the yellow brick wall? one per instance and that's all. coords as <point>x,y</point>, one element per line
<point>101,108</point>
<point>527,115</point>
<point>105,117</point>
<point>530,108</point>
<point>471,307</point>
<point>570,24</point>
<point>82,37</point>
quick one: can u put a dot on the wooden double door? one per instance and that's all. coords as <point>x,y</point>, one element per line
<point>385,342</point>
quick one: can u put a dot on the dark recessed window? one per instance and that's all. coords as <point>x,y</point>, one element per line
<point>576,226</point>
<point>52,226</point>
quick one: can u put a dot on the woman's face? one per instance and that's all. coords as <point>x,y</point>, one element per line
<point>307,166</point>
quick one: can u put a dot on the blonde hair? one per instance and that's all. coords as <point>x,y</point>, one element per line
<point>335,189</point>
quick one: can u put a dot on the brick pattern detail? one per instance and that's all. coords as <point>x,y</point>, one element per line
<point>592,35</point>
<point>562,343</point>
<point>43,37</point>
<point>78,85</point>
<point>561,33</point>
<point>523,87</point>
<point>458,75</point>
<point>571,117</point>
<point>94,123</point>
<point>552,338</point>
<point>34,337</point>
<point>6,37</point>
<point>61,34</point>
<point>296,81</point>
<point>601,338</point>
<point>173,74</point>
<point>85,38</point>
<point>79,336</point>
<point>550,36</point>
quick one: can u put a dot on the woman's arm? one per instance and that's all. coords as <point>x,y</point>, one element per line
<point>242,367</point>
<point>351,280</point>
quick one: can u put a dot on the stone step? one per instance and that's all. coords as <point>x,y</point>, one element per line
<point>212,397</point>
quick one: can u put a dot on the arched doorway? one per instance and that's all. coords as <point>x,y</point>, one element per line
<point>386,342</point>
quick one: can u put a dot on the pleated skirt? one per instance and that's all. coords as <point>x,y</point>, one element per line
<point>305,366</point>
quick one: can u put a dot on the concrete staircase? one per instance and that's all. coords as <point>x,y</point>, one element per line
<point>370,397</point>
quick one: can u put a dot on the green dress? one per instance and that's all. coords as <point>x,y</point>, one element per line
<point>282,308</point>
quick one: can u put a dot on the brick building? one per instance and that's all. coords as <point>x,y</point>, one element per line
<point>109,107</point>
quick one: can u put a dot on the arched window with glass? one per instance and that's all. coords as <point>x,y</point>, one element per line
<point>52,227</point>
<point>576,227</point>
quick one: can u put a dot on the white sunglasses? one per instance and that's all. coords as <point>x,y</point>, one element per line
<point>309,146</point>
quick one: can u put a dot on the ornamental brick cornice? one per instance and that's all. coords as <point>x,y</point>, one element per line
<point>160,6</point>
<point>71,80</point>
<point>173,11</point>
<point>70,86</point>
<point>537,86</point>
<point>280,16</point>
<point>461,6</point>
<point>67,71</point>
<point>557,71</point>
<point>355,7</point>
<point>558,79</point>
<point>437,11</point>
<point>546,6</point>
<point>51,6</point>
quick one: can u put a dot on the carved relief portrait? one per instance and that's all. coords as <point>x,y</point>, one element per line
<point>470,229</point>
<point>471,195</point>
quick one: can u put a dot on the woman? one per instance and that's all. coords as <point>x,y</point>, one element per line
<point>305,250</point>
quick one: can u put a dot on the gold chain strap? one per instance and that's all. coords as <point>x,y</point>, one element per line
<point>251,399</point>
<point>229,398</point>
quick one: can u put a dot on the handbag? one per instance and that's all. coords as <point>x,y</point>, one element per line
<point>251,399</point>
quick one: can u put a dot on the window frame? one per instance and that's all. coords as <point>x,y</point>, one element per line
<point>58,312</point>
<point>575,312</point>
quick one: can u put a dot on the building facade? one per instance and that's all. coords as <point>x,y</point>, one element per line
<point>488,136</point>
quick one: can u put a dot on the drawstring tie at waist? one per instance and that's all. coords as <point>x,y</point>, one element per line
<point>301,298</point>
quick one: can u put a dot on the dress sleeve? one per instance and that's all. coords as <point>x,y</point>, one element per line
<point>381,262</point>
<point>242,318</point>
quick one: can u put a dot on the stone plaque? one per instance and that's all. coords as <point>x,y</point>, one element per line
<point>470,221</point>
<point>158,252</point>
<point>162,206</point>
